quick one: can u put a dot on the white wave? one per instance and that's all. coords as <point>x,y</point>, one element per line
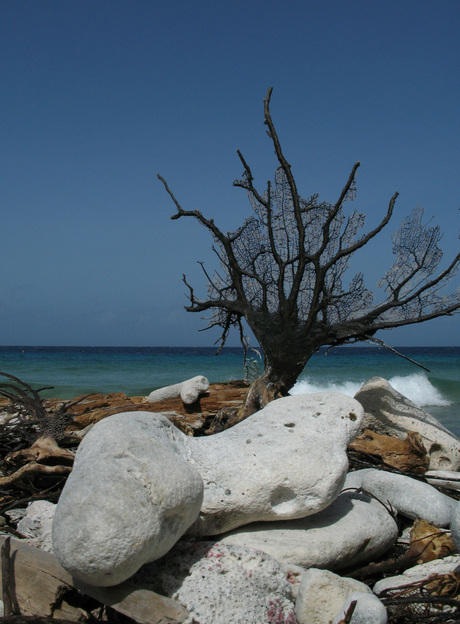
<point>416,387</point>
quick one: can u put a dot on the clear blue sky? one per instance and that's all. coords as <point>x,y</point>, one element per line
<point>97,96</point>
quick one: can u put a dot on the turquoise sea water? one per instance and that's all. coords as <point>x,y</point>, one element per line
<point>137,371</point>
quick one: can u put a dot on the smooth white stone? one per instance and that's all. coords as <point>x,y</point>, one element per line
<point>368,610</point>
<point>391,413</point>
<point>419,573</point>
<point>410,497</point>
<point>129,498</point>
<point>188,390</point>
<point>322,595</point>
<point>354,529</point>
<point>221,584</point>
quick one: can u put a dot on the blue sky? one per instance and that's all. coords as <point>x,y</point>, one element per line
<point>98,96</point>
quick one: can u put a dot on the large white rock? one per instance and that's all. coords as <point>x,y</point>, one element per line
<point>354,529</point>
<point>188,390</point>
<point>410,497</point>
<point>391,413</point>
<point>128,499</point>
<point>221,584</point>
<point>324,597</point>
<point>136,486</point>
<point>286,461</point>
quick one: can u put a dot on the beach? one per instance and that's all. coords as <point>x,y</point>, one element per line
<point>136,371</point>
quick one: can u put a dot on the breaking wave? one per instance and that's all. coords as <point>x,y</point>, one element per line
<point>416,387</point>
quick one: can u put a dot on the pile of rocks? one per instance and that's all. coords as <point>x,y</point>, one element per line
<point>254,523</point>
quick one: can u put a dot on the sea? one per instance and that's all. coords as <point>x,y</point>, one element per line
<point>136,371</point>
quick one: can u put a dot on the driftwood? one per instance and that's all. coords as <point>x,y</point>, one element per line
<point>34,584</point>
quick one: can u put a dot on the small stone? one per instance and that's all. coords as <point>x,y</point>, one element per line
<point>410,497</point>
<point>368,610</point>
<point>418,573</point>
<point>188,390</point>
<point>324,595</point>
<point>36,524</point>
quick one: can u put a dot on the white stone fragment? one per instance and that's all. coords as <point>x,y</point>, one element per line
<point>419,573</point>
<point>368,610</point>
<point>221,584</point>
<point>391,413</point>
<point>37,522</point>
<point>322,595</point>
<point>455,524</point>
<point>188,390</point>
<point>129,498</point>
<point>447,479</point>
<point>354,529</point>
<point>410,497</point>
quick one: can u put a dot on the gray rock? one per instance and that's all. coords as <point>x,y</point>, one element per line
<point>354,529</point>
<point>128,499</point>
<point>418,573</point>
<point>324,596</point>
<point>389,412</point>
<point>36,524</point>
<point>219,584</point>
<point>410,497</point>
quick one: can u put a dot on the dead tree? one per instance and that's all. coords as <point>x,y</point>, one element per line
<point>283,272</point>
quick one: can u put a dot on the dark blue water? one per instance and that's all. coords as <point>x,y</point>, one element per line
<point>137,371</point>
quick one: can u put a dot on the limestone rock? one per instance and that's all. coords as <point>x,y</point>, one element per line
<point>354,529</point>
<point>188,390</point>
<point>36,524</point>
<point>324,597</point>
<point>286,461</point>
<point>389,412</point>
<point>219,584</point>
<point>410,497</point>
<point>408,455</point>
<point>129,498</point>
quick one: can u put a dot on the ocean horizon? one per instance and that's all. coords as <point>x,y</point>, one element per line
<point>136,371</point>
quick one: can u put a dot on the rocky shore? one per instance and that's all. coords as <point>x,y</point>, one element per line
<point>319,508</point>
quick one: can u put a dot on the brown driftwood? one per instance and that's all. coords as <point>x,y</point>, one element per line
<point>44,448</point>
<point>37,585</point>
<point>32,469</point>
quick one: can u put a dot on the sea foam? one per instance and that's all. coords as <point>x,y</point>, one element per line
<point>416,387</point>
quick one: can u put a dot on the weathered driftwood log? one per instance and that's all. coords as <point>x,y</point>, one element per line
<point>34,581</point>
